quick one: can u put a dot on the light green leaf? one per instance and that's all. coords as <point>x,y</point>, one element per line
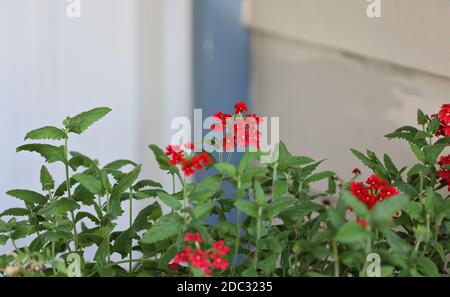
<point>203,209</point>
<point>318,176</point>
<point>247,207</point>
<point>49,152</point>
<point>279,188</point>
<point>28,196</point>
<point>259,193</point>
<point>166,227</point>
<point>90,183</point>
<point>170,200</point>
<point>397,244</point>
<point>125,183</point>
<point>46,133</point>
<point>58,207</point>
<point>81,122</point>
<point>3,240</point>
<point>226,168</point>
<point>384,210</point>
<point>47,181</point>
<point>351,233</point>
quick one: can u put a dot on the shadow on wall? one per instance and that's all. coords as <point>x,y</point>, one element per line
<point>329,102</point>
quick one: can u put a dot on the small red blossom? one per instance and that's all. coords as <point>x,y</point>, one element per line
<point>175,153</point>
<point>193,237</point>
<point>444,173</point>
<point>199,257</point>
<point>371,192</point>
<point>189,162</point>
<point>444,114</point>
<point>240,107</point>
<point>220,248</point>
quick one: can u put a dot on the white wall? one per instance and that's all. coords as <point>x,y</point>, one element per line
<point>133,56</point>
<point>330,99</point>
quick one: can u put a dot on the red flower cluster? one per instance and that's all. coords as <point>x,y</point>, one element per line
<point>188,161</point>
<point>239,129</point>
<point>371,192</point>
<point>206,260</point>
<point>444,173</point>
<point>444,118</point>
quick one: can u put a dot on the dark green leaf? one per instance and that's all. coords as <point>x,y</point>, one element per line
<point>166,227</point>
<point>58,207</point>
<point>47,181</point>
<point>28,196</point>
<point>170,200</point>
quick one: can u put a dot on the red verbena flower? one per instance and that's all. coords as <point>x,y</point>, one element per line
<point>175,153</point>
<point>199,259</point>
<point>240,107</point>
<point>193,237</point>
<point>220,248</point>
<point>219,263</point>
<point>371,192</point>
<point>444,114</point>
<point>444,173</point>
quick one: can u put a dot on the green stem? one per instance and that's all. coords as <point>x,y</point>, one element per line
<point>173,183</point>
<point>367,252</point>
<point>236,243</point>
<point>130,266</point>
<point>66,161</point>
<point>336,258</point>
<point>258,235</point>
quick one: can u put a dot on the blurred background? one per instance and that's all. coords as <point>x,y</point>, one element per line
<point>336,77</point>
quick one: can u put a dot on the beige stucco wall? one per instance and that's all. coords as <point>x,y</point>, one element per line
<point>331,95</point>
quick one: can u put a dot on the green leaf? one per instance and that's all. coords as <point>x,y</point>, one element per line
<point>384,210</point>
<point>268,264</point>
<point>3,240</point>
<point>331,185</point>
<point>275,207</point>
<point>90,183</point>
<point>351,233</point>
<point>124,242</point>
<point>166,227</point>
<point>427,267</point>
<point>432,153</point>
<point>417,151</point>
<point>163,160</point>
<point>279,188</point>
<point>358,207</point>
<point>397,244</point>
<point>390,166</point>
<point>170,200</point>
<point>47,181</point>
<point>28,196</point>
<point>318,176</point>
<point>226,168</point>
<point>82,215</point>
<point>247,207</point>
<point>422,119</point>
<point>366,161</point>
<point>79,160</point>
<point>15,212</point>
<point>434,126</point>
<point>102,253</point>
<point>203,209</point>
<point>335,218</point>
<point>58,207</point>
<point>287,160</point>
<point>46,133</point>
<point>118,164</point>
<point>81,122</point>
<point>125,183</point>
<point>417,169</point>
<point>415,211</point>
<point>407,132</point>
<point>49,152</point>
<point>146,183</point>
<point>430,202</point>
<point>149,213</point>
<point>260,195</point>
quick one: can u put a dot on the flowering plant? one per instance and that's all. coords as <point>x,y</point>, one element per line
<point>276,223</point>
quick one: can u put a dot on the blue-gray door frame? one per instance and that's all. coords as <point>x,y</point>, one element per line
<point>221,60</point>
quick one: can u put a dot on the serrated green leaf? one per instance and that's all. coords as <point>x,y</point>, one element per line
<point>58,207</point>
<point>3,240</point>
<point>125,183</point>
<point>279,188</point>
<point>432,153</point>
<point>366,161</point>
<point>415,211</point>
<point>166,227</point>
<point>422,119</point>
<point>397,244</point>
<point>15,212</point>
<point>226,168</point>
<point>28,196</point>
<point>417,151</point>
<point>351,233</point>
<point>90,183</point>
<point>318,177</point>
<point>49,152</point>
<point>203,209</point>
<point>427,267</point>
<point>82,215</point>
<point>47,132</point>
<point>275,207</point>
<point>384,210</point>
<point>149,213</point>
<point>169,200</point>
<point>146,183</point>
<point>260,195</point>
<point>389,164</point>
<point>118,164</point>
<point>358,207</point>
<point>247,207</point>
<point>47,181</point>
<point>81,122</point>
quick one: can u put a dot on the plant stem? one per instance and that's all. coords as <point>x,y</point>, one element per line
<point>258,235</point>
<point>336,258</point>
<point>66,161</point>
<point>236,244</point>
<point>130,266</point>
<point>367,252</point>
<point>173,184</point>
